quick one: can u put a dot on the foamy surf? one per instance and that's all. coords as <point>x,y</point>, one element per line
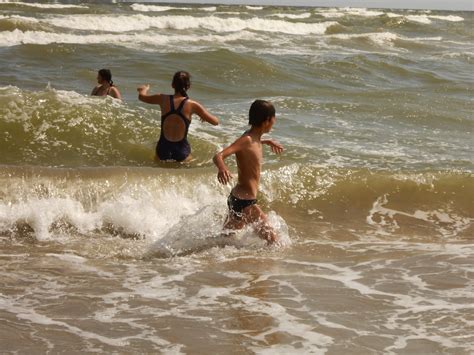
<point>18,37</point>
<point>168,220</point>
<point>293,16</point>
<point>215,24</point>
<point>154,8</point>
<point>254,8</point>
<point>132,204</point>
<point>424,18</point>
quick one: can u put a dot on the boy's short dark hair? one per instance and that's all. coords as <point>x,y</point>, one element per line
<point>260,111</point>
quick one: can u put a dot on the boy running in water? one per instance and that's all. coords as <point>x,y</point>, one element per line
<point>242,203</point>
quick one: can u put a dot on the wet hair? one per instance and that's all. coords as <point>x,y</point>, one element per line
<point>106,74</point>
<point>260,111</point>
<point>182,82</point>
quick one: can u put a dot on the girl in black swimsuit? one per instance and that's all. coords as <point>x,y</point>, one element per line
<point>106,86</point>
<point>176,115</point>
<point>174,150</point>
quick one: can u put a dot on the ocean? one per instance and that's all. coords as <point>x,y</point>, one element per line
<point>103,249</point>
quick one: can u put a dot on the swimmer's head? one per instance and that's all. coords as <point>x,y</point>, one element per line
<point>181,82</point>
<point>105,76</point>
<point>262,113</point>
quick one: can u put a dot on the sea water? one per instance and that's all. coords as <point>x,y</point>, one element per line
<point>103,249</point>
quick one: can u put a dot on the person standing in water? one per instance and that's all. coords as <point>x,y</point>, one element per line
<point>242,201</point>
<point>106,86</point>
<point>176,112</point>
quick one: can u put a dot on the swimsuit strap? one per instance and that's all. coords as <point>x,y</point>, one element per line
<point>181,105</point>
<point>171,103</point>
<point>177,111</point>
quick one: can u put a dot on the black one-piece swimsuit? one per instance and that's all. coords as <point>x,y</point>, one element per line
<point>178,151</point>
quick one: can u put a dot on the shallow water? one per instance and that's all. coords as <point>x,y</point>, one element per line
<point>104,250</point>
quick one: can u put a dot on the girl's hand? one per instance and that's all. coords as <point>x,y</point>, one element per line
<point>224,176</point>
<point>276,147</point>
<point>143,88</point>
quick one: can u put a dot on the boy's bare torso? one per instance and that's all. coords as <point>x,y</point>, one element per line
<point>249,161</point>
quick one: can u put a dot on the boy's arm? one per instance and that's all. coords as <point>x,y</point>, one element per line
<point>224,174</point>
<point>149,99</point>
<point>276,147</point>
<point>204,114</point>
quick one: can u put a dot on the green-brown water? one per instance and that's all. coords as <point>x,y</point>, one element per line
<point>103,250</point>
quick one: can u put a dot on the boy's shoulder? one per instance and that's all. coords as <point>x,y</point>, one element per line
<point>245,137</point>
<point>242,141</point>
<point>246,140</point>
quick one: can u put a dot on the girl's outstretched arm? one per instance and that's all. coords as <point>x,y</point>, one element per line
<point>204,114</point>
<point>149,99</point>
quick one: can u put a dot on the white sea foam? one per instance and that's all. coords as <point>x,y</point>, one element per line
<point>348,11</point>
<point>463,55</point>
<point>427,19</point>
<point>231,13</point>
<point>421,303</point>
<point>332,14</point>
<point>191,226</point>
<point>362,12</point>
<point>79,264</point>
<point>380,38</point>
<point>384,39</point>
<point>393,15</point>
<point>17,37</point>
<point>161,288</point>
<point>155,8</point>
<point>199,233</point>
<point>215,24</point>
<point>446,223</point>
<point>44,6</point>
<point>256,8</point>
<point>284,321</point>
<point>424,19</point>
<point>159,8</point>
<point>423,39</point>
<point>209,9</point>
<point>40,214</point>
<point>293,16</point>
<point>28,313</point>
<point>450,18</point>
<point>288,323</point>
<point>19,18</point>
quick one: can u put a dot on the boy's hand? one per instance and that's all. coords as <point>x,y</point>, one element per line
<point>276,147</point>
<point>224,176</point>
<point>143,88</point>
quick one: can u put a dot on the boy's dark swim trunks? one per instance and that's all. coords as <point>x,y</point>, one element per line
<point>237,205</point>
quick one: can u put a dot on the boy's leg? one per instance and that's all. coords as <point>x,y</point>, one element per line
<point>254,214</point>
<point>232,222</point>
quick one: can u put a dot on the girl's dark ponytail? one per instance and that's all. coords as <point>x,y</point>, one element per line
<point>106,74</point>
<point>182,82</point>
